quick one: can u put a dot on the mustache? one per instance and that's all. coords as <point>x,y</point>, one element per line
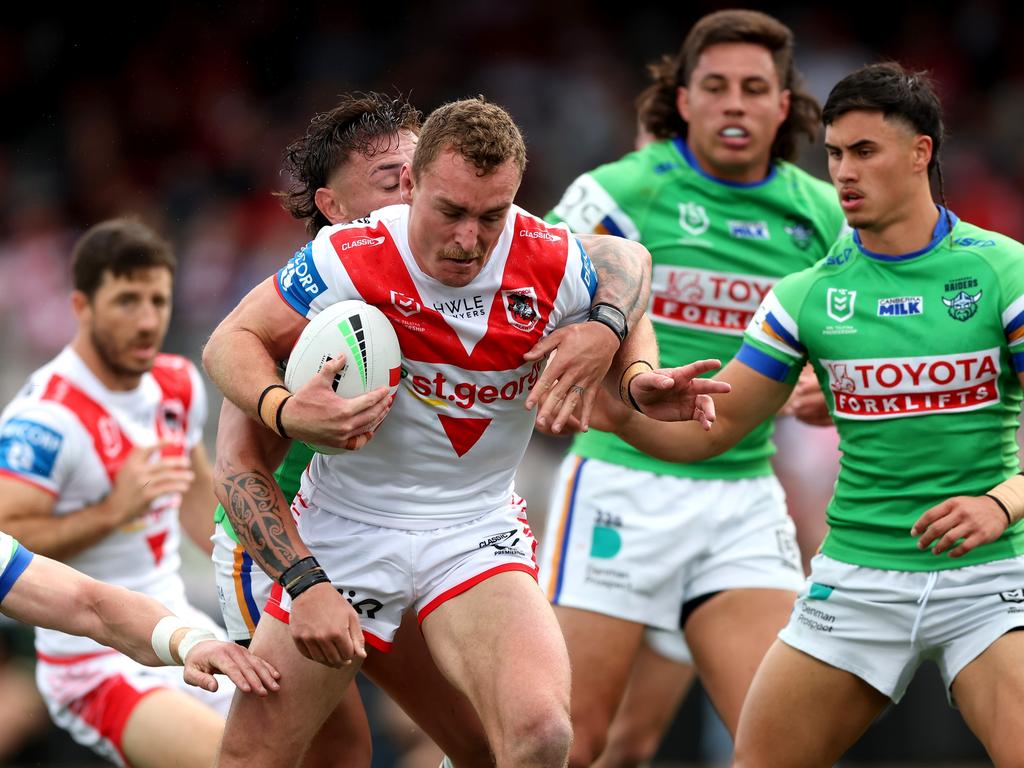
<point>460,254</point>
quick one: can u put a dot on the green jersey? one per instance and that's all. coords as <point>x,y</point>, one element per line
<point>918,356</point>
<point>288,476</point>
<point>717,248</point>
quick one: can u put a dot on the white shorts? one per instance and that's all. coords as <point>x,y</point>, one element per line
<point>880,625</point>
<point>92,696</point>
<point>670,644</point>
<point>638,545</point>
<point>384,571</point>
<point>242,587</point>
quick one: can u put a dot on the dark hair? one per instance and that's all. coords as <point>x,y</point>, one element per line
<point>656,104</point>
<point>119,246</point>
<point>896,93</point>
<point>360,122</point>
<point>481,132</point>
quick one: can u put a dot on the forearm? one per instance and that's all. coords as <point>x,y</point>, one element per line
<point>682,441</point>
<point>623,272</point>
<point>63,536</point>
<point>239,364</point>
<point>197,505</point>
<point>639,344</point>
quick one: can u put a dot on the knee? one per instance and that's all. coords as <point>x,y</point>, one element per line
<point>539,740</point>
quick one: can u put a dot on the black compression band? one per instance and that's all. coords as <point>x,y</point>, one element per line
<point>1009,520</point>
<point>263,395</point>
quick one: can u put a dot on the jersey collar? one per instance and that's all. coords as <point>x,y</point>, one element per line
<point>684,150</point>
<point>943,227</point>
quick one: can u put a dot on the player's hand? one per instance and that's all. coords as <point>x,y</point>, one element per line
<point>677,394</point>
<point>145,476</point>
<point>325,628</point>
<point>316,414</point>
<point>971,520</point>
<point>807,401</point>
<point>249,673</point>
<point>572,377</point>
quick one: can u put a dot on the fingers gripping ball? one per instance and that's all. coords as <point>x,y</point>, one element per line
<point>367,339</point>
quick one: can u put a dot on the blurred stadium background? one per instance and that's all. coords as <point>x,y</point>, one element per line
<point>178,113</point>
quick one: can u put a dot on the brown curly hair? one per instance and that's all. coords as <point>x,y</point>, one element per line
<point>366,123</point>
<point>481,132</point>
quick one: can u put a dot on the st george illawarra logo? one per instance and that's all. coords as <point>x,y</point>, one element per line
<point>963,306</point>
<point>521,308</point>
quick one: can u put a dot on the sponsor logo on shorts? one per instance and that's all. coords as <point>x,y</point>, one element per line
<point>606,541</point>
<point>815,619</point>
<point>504,543</point>
<point>1012,595</point>
<point>788,549</point>
<point>901,306</point>
<point>366,606</point>
<point>720,302</point>
<point>749,230</point>
<point>883,388</point>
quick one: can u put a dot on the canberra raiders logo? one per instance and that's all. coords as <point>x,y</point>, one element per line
<point>801,232</point>
<point>963,305</point>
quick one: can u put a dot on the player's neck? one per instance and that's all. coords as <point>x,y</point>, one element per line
<point>115,381</point>
<point>910,230</point>
<point>751,173</point>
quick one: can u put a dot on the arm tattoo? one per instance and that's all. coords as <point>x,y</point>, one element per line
<point>622,277</point>
<point>255,506</point>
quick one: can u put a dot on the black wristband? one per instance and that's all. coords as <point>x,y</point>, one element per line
<point>280,424</point>
<point>301,576</point>
<point>1009,520</point>
<point>610,316</point>
<point>296,569</point>
<point>632,400</point>
<point>263,395</point>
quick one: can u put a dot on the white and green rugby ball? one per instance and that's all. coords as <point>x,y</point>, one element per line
<point>364,335</point>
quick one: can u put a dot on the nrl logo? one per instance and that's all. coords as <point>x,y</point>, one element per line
<point>839,304</point>
<point>963,306</point>
<point>693,218</point>
<point>405,304</point>
<point>1012,596</point>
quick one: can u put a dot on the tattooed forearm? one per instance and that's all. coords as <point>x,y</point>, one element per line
<point>623,273</point>
<point>260,516</point>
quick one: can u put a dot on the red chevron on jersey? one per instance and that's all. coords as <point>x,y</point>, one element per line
<point>463,432</point>
<point>111,443</point>
<point>519,311</point>
<point>156,545</point>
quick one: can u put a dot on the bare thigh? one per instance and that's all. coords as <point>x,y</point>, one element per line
<point>989,692</point>
<point>169,728</point>
<point>409,675</point>
<point>728,636</point>
<point>821,710</point>
<point>275,731</point>
<point>655,689</point>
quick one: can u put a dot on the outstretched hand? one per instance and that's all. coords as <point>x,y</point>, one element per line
<point>677,394</point>
<point>248,672</point>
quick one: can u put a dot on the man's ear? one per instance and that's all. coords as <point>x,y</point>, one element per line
<point>330,206</point>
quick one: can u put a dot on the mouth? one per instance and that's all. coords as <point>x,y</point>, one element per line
<point>734,136</point>
<point>850,199</point>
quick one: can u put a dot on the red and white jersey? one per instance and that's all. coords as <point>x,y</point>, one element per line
<point>458,428</point>
<point>69,435</point>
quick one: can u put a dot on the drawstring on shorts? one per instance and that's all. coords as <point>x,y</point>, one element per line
<point>923,602</point>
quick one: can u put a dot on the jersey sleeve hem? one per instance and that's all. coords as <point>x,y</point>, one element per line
<point>763,363</point>
<point>22,557</point>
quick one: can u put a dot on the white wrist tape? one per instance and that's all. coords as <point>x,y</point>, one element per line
<point>161,639</point>
<point>191,639</point>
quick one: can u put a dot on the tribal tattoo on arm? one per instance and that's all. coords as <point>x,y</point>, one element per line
<point>623,272</point>
<point>260,516</point>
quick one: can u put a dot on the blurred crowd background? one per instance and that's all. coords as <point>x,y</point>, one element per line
<point>179,114</point>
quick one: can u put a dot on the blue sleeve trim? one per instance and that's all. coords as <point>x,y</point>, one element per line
<point>1014,324</point>
<point>782,333</point>
<point>587,272</point>
<point>763,363</point>
<point>1018,361</point>
<point>611,227</point>
<point>22,557</point>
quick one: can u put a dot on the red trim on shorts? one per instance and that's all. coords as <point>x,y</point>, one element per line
<point>107,708</point>
<point>372,640</point>
<point>72,659</point>
<point>458,589</point>
<point>273,608</point>
<point>29,481</point>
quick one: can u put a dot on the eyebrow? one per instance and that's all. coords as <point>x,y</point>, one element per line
<point>454,206</point>
<point>395,166</point>
<point>744,78</point>
<point>855,145</point>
